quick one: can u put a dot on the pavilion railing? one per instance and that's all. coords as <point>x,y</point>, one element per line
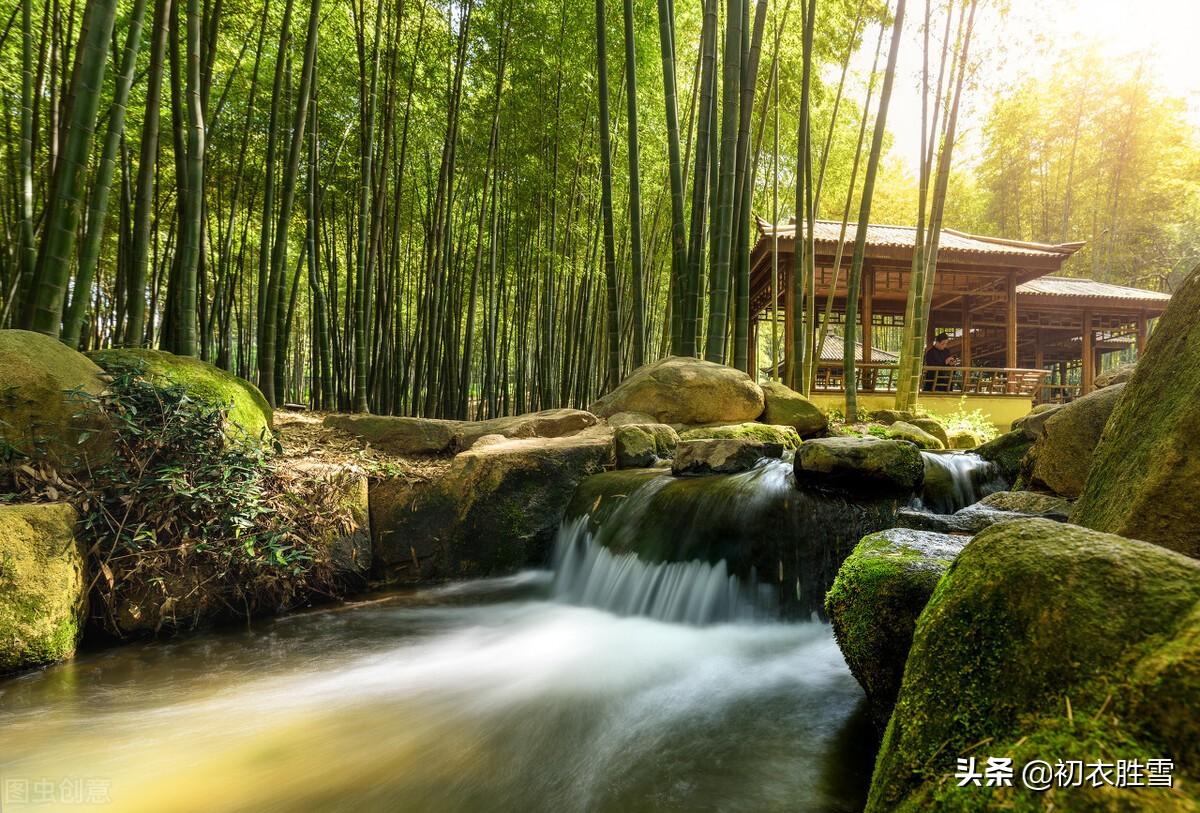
<point>876,377</point>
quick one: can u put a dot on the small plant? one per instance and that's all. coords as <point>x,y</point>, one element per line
<point>973,421</point>
<point>175,515</point>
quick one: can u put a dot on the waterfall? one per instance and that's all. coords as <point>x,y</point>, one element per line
<point>709,549</point>
<point>585,573</point>
<point>955,480</point>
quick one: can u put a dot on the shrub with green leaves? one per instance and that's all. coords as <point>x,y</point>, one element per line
<point>181,523</point>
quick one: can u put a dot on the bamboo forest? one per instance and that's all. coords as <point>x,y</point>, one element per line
<point>599,405</point>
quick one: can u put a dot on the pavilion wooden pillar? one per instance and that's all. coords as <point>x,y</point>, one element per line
<point>1141,334</point>
<point>1010,323</point>
<point>1088,355</point>
<point>966,331</point>
<point>1039,355</point>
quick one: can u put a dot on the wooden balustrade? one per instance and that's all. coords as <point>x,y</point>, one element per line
<point>875,377</point>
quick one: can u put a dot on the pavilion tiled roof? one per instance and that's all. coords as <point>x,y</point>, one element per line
<point>1089,289</point>
<point>951,241</point>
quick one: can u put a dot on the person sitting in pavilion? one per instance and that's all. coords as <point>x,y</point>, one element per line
<point>938,355</point>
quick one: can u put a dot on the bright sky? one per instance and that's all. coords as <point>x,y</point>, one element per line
<point>1025,41</point>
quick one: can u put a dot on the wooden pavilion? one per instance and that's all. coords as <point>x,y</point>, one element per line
<point>1023,333</point>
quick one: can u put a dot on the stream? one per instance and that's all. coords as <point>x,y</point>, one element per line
<point>641,673</point>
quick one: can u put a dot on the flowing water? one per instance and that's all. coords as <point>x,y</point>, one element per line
<point>955,480</point>
<point>610,685</point>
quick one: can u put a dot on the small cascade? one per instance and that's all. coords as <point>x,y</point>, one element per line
<point>955,480</point>
<point>698,593</point>
<point>709,549</point>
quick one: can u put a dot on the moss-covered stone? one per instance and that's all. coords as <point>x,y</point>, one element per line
<point>1030,503</point>
<point>720,455</point>
<point>903,430</point>
<point>866,466</point>
<point>873,605</point>
<point>495,510</point>
<point>934,427</point>
<point>685,390</point>
<point>1120,374</point>
<point>1145,470</point>
<point>43,390</point>
<point>962,439</point>
<point>1061,456</point>
<point>1048,641</point>
<point>1007,452</point>
<point>640,445</point>
<point>43,591</point>
<point>887,417</point>
<point>248,414</point>
<point>785,436</point>
<point>786,407</point>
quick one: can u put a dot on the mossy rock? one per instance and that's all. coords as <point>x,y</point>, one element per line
<point>873,606</point>
<point>641,445</point>
<point>45,387</point>
<point>864,466</point>
<point>1029,503</point>
<point>248,414</point>
<point>1008,452</point>
<point>1048,641</point>
<point>962,439</point>
<point>685,390</point>
<point>43,592</point>
<point>887,417</point>
<point>785,436</point>
<point>494,511</point>
<point>435,436</point>
<point>1145,469</point>
<point>720,455</point>
<point>934,427</point>
<point>786,407</point>
<point>903,430</point>
<point>1062,455</point>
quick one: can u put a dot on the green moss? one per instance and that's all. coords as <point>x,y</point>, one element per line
<point>42,593</point>
<point>785,436</point>
<point>1032,614</point>
<point>874,602</point>
<point>902,430</point>
<point>1143,479</point>
<point>248,410</point>
<point>43,385</point>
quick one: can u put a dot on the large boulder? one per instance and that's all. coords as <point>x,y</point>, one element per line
<point>435,436</point>
<point>1034,422</point>
<point>44,388</point>
<point>1049,642</point>
<point>869,465</point>
<point>887,417</point>
<point>641,445</point>
<point>1062,455</point>
<point>903,430</point>
<point>685,390</point>
<point>720,455</point>
<point>248,415</point>
<point>1145,470</point>
<point>873,605</point>
<point>496,509</point>
<point>1007,452</point>
<point>772,435</point>
<point>786,407</point>
<point>962,439</point>
<point>43,587</point>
